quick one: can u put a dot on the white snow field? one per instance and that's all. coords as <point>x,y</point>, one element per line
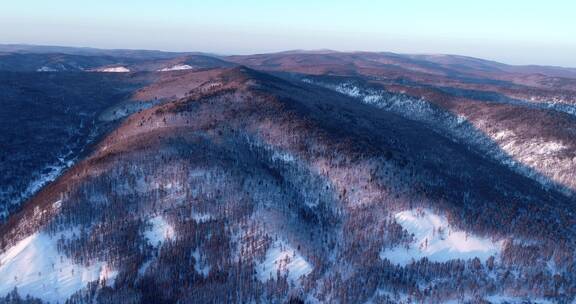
<point>36,268</point>
<point>119,69</point>
<point>282,257</point>
<point>178,67</point>
<point>435,239</point>
<point>160,232</point>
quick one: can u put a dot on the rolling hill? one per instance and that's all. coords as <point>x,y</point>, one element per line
<point>296,177</point>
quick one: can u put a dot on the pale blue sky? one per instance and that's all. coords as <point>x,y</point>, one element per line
<point>512,31</point>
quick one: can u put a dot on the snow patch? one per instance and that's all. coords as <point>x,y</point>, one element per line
<point>460,119</point>
<point>119,69</point>
<point>404,105</point>
<point>435,239</point>
<point>36,268</point>
<point>46,69</point>
<point>281,257</point>
<point>160,232</point>
<point>200,264</point>
<point>200,218</point>
<point>57,204</point>
<point>167,185</point>
<point>504,134</point>
<point>178,67</point>
<point>535,146</point>
<point>283,156</point>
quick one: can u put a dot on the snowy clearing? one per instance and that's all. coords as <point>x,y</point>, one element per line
<point>119,69</point>
<point>160,232</point>
<point>282,257</point>
<point>435,239</point>
<point>178,67</point>
<point>36,268</point>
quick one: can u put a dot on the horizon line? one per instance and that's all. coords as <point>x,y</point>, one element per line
<point>295,50</point>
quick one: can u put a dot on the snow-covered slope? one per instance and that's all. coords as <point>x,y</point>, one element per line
<point>543,159</point>
<point>281,257</point>
<point>36,268</point>
<point>178,67</point>
<point>263,190</point>
<point>435,239</point>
